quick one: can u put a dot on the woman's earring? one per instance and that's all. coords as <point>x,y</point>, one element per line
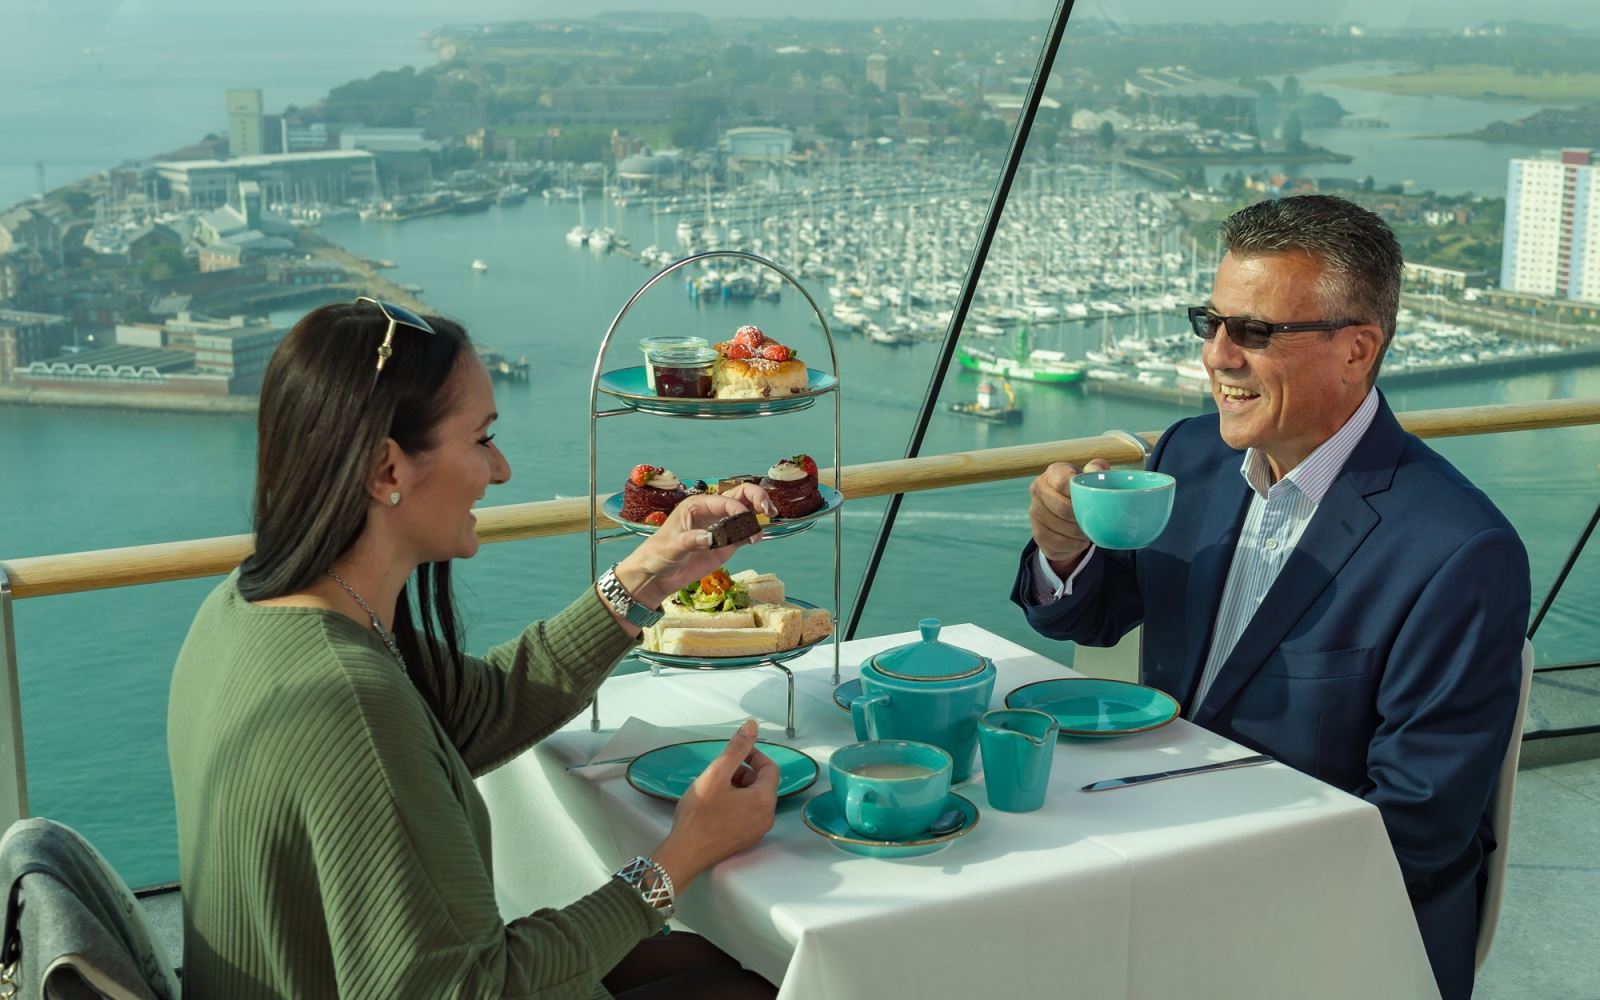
<point>394,499</point>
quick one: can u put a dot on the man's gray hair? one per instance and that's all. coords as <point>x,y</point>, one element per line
<point>1360,257</point>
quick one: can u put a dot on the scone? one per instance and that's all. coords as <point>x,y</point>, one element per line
<point>751,366</point>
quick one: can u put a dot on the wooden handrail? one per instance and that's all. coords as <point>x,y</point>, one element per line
<point>78,572</point>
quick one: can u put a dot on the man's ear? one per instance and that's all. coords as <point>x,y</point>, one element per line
<point>1363,352</point>
<point>388,474</point>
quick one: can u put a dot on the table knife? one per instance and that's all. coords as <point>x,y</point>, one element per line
<point>1139,779</point>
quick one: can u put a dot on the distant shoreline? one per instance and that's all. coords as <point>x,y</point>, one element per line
<point>110,400</point>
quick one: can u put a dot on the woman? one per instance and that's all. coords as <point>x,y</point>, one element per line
<point>331,840</point>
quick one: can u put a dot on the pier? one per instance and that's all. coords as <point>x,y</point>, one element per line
<point>1517,324</point>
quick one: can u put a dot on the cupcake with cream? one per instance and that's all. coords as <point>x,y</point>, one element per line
<point>650,494</point>
<point>791,484</point>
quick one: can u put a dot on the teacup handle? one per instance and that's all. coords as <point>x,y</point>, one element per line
<point>864,713</point>
<point>854,799</point>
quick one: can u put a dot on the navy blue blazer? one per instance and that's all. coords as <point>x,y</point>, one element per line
<point>1385,659</point>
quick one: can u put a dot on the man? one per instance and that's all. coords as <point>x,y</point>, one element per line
<point>1329,590</point>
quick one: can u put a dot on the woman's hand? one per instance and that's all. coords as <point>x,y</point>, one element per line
<point>679,553</point>
<point>729,808</point>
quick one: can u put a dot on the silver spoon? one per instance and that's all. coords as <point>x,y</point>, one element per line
<point>947,823</point>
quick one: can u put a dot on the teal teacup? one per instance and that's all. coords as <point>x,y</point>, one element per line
<point>1122,508</point>
<point>890,789</point>
<point>1018,745</point>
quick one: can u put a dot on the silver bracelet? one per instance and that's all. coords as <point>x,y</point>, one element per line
<point>652,883</point>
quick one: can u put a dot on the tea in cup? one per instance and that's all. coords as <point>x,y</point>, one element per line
<point>890,789</point>
<point>1122,508</point>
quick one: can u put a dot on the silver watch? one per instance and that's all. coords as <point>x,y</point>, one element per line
<point>618,597</point>
<point>652,883</point>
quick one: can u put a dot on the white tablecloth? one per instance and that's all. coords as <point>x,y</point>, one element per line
<point>1259,882</point>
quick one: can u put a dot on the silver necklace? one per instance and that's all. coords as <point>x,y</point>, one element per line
<point>377,623</point>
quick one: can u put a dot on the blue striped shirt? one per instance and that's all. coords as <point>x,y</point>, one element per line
<point>1278,515</point>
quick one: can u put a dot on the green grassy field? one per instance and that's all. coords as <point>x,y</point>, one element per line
<point>1473,82</point>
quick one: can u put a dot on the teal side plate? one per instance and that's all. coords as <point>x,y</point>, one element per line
<point>667,772</point>
<point>847,692</point>
<point>776,528</point>
<point>1094,708</point>
<point>628,385</point>
<point>822,816</point>
<point>732,662</point>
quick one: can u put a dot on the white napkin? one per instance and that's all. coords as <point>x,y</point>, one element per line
<point>637,736</point>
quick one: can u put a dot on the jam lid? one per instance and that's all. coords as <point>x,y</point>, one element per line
<point>929,659</point>
<point>650,344</point>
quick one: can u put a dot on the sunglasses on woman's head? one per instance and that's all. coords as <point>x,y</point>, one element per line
<point>1254,334</point>
<point>397,316</point>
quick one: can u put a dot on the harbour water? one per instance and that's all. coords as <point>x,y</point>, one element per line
<point>95,667</point>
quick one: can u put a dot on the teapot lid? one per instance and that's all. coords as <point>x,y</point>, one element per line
<point>930,659</point>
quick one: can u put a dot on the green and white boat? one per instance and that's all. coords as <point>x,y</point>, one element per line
<point>1026,363</point>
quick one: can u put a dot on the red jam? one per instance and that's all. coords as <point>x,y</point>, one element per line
<point>683,374</point>
<point>683,383</point>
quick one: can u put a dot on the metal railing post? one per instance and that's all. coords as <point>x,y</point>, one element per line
<point>13,769</point>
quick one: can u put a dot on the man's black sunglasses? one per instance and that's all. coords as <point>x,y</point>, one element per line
<point>1254,334</point>
<point>397,316</point>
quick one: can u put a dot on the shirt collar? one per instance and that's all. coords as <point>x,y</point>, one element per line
<point>1314,476</point>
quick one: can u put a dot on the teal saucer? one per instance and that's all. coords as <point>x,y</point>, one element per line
<point>629,386</point>
<point>1095,708</point>
<point>822,815</point>
<point>847,692</point>
<point>667,772</point>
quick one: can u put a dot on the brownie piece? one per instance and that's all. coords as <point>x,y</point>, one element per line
<point>734,528</point>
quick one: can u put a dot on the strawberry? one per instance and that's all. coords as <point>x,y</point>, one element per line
<point>642,474</point>
<point>656,517</point>
<point>740,352</point>
<point>751,336</point>
<point>775,352</point>
<point>807,463</point>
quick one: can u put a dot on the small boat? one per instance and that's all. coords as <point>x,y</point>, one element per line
<point>479,265</point>
<point>988,407</point>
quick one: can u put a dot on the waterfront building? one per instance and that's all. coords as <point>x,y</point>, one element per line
<point>307,138</point>
<point>757,145</point>
<point>240,231</point>
<point>26,337</point>
<point>30,244</point>
<point>647,172</point>
<point>246,136</point>
<point>1552,215</point>
<point>327,177</point>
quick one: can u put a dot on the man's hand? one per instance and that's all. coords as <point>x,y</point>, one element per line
<point>1055,528</point>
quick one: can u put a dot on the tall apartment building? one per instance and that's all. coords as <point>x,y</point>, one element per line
<point>246,135</point>
<point>1552,228</point>
<point>878,71</point>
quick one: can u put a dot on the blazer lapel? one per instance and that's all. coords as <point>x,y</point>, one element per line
<point>1343,520</point>
<point>1215,542</point>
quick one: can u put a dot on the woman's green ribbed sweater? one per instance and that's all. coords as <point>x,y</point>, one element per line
<point>332,842</point>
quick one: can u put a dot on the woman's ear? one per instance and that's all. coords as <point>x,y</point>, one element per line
<point>387,483</point>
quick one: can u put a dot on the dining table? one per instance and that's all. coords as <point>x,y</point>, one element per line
<point>1252,882</point>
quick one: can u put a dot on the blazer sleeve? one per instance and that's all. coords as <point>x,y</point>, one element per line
<point>1106,602</point>
<point>1447,702</point>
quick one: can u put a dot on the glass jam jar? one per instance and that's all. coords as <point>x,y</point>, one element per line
<point>649,344</point>
<point>683,373</point>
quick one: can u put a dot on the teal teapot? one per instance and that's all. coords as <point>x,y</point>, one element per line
<point>929,691</point>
